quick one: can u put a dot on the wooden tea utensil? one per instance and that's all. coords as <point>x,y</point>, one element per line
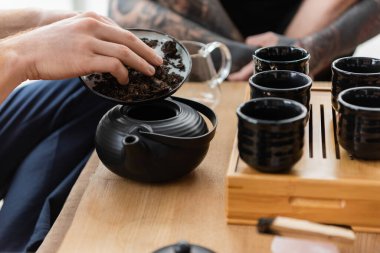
<point>291,227</point>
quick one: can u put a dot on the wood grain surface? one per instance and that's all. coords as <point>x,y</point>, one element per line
<point>106,213</point>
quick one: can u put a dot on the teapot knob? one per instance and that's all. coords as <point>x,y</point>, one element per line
<point>141,128</point>
<point>183,247</point>
<point>145,128</point>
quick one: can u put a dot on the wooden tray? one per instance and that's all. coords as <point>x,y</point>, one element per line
<point>326,185</point>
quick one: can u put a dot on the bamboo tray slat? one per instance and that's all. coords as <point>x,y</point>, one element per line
<point>326,185</point>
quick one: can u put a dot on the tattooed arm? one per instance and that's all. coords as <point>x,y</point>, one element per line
<point>358,24</point>
<point>148,14</point>
<point>210,14</point>
<point>308,17</point>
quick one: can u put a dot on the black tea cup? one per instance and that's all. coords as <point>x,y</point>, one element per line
<point>281,83</point>
<point>359,122</point>
<point>271,133</point>
<point>350,72</point>
<point>281,58</point>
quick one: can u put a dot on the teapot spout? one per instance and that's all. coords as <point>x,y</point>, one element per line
<point>135,153</point>
<point>134,147</point>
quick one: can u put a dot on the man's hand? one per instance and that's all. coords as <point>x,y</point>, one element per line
<point>80,45</point>
<point>261,40</point>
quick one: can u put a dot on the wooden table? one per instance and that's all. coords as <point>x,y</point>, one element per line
<point>106,213</point>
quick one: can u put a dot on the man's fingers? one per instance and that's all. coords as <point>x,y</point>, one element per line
<point>243,74</point>
<point>107,30</point>
<point>142,49</point>
<point>118,35</point>
<point>114,42</point>
<point>126,55</point>
<point>107,20</point>
<point>111,65</point>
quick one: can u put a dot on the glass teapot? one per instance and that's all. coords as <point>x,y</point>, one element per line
<point>203,72</point>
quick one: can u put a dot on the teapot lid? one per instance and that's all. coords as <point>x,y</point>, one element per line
<point>168,79</point>
<point>183,247</point>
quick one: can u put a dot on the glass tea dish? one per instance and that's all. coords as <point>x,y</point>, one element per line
<point>168,78</point>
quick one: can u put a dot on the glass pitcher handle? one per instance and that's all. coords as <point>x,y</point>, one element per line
<point>225,66</point>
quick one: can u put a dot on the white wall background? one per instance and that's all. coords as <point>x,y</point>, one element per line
<point>100,6</point>
<point>370,48</point>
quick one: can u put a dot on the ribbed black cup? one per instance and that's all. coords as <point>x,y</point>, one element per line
<point>350,72</point>
<point>359,122</point>
<point>283,84</point>
<point>271,133</point>
<point>281,58</point>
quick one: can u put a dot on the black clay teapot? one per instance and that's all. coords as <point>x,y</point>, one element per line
<point>157,141</point>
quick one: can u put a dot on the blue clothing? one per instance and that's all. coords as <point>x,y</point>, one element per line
<point>47,131</point>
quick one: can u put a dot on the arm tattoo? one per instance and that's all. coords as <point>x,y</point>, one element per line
<point>147,14</point>
<point>356,25</point>
<point>207,13</point>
